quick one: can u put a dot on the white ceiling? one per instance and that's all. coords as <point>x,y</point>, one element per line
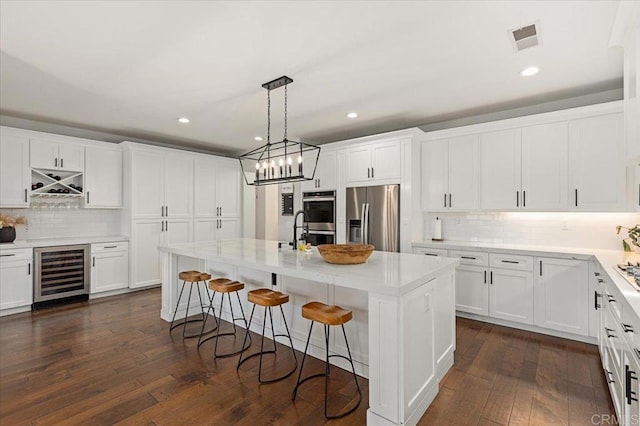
<point>131,68</point>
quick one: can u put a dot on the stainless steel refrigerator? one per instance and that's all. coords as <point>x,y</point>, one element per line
<point>373,216</point>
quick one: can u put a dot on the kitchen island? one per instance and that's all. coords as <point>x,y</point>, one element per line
<point>404,312</point>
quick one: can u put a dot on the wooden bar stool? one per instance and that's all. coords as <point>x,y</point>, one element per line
<point>327,315</point>
<point>268,299</point>
<point>224,286</point>
<point>191,277</point>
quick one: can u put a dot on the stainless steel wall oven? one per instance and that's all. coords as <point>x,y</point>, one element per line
<point>320,210</point>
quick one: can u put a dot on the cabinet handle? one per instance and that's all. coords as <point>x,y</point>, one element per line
<point>110,247</point>
<point>88,202</point>
<point>62,162</point>
<point>629,375</point>
<point>162,223</point>
<point>468,257</point>
<point>29,268</point>
<point>596,305</point>
<point>55,162</point>
<point>576,197</point>
<point>7,255</point>
<point>445,199</point>
<point>597,274</point>
<point>517,198</point>
<point>430,254</point>
<point>491,278</point>
<point>372,173</point>
<point>637,352</point>
<point>600,280</point>
<point>485,276</point>
<point>319,183</point>
<point>25,195</point>
<point>449,200</point>
<point>627,328</point>
<point>166,225</point>
<point>93,262</point>
<point>524,198</point>
<point>608,374</point>
<point>609,332</point>
<point>161,211</point>
<point>368,173</point>
<point>166,211</point>
<point>541,268</point>
<point>510,261</point>
<point>611,299</point>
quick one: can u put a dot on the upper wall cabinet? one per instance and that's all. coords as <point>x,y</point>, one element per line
<point>162,185</point>
<point>52,155</point>
<point>500,165</point>
<point>450,174</point>
<point>545,167</point>
<point>103,178</point>
<point>15,175</point>
<point>597,174</point>
<point>217,188</point>
<point>373,163</point>
<point>326,172</point>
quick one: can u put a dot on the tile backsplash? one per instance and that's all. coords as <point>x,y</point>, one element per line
<point>570,229</point>
<point>54,223</point>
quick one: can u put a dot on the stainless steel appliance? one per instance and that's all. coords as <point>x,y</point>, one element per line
<point>61,272</point>
<point>320,214</point>
<point>373,216</point>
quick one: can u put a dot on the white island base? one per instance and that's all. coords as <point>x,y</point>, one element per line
<point>402,336</point>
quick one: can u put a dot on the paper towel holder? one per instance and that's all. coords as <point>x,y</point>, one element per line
<point>439,223</point>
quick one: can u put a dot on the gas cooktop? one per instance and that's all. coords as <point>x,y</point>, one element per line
<point>623,270</point>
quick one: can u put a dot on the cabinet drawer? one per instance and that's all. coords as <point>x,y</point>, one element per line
<point>476,258</point>
<point>612,298</point>
<point>630,326</point>
<point>15,254</point>
<point>108,247</point>
<point>511,261</point>
<point>430,251</point>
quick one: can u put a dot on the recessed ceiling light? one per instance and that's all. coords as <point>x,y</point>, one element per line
<point>352,115</point>
<point>183,120</point>
<point>529,71</point>
<point>258,138</point>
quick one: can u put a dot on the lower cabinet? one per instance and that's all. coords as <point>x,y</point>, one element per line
<point>16,280</point>
<point>216,229</point>
<point>562,295</point>
<point>511,295</point>
<point>472,294</point>
<point>109,266</point>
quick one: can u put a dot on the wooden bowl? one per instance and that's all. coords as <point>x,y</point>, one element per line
<point>345,254</point>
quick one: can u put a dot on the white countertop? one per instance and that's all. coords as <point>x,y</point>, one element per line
<point>385,273</point>
<point>606,258</point>
<point>58,241</point>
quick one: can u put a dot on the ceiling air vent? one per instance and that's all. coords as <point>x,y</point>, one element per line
<point>525,37</point>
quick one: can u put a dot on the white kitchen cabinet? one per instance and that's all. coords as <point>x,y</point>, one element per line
<point>357,329</point>
<point>596,164</point>
<point>500,165</point>
<point>103,178</point>
<point>16,279</point>
<point>15,174</point>
<point>511,295</point>
<point>217,189</point>
<point>631,373</point>
<point>177,231</point>
<point>228,190</point>
<point>545,163</point>
<point>325,178</point>
<point>53,155</point>
<point>109,266</point>
<point>162,185</point>
<point>450,174</point>
<point>146,236</point>
<point>472,294</point>
<point>216,229</point>
<point>445,324</point>
<point>561,295</point>
<point>373,163</point>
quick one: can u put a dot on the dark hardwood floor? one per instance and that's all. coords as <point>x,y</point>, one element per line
<point>113,361</point>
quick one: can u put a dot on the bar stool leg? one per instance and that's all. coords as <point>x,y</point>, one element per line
<point>177,304</point>
<point>304,357</point>
<point>353,369</point>
<point>206,316</point>
<point>233,321</point>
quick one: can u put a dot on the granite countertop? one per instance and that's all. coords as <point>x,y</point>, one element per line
<point>384,272</point>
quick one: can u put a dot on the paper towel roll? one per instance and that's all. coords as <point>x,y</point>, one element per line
<point>437,229</point>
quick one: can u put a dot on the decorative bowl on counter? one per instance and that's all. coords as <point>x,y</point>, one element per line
<point>345,254</point>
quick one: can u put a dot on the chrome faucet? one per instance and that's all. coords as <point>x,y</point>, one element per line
<point>305,226</point>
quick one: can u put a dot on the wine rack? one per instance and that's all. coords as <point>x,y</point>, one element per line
<point>69,184</point>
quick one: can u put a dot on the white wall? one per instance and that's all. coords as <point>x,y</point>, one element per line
<point>571,229</point>
<point>63,222</point>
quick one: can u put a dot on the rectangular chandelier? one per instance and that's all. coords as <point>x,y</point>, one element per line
<point>283,161</point>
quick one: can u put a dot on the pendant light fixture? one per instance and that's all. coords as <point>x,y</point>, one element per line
<point>283,161</point>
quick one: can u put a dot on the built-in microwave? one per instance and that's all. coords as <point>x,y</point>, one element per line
<point>320,211</point>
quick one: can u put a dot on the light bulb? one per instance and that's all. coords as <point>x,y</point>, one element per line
<point>299,159</point>
<point>264,165</point>
<point>281,162</point>
<point>257,166</point>
<point>289,161</point>
<point>273,163</point>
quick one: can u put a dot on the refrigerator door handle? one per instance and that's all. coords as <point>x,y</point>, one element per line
<point>366,224</point>
<point>363,226</point>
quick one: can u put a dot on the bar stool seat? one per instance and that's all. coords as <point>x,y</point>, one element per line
<point>327,315</point>
<point>190,277</point>
<point>268,299</point>
<point>224,286</point>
